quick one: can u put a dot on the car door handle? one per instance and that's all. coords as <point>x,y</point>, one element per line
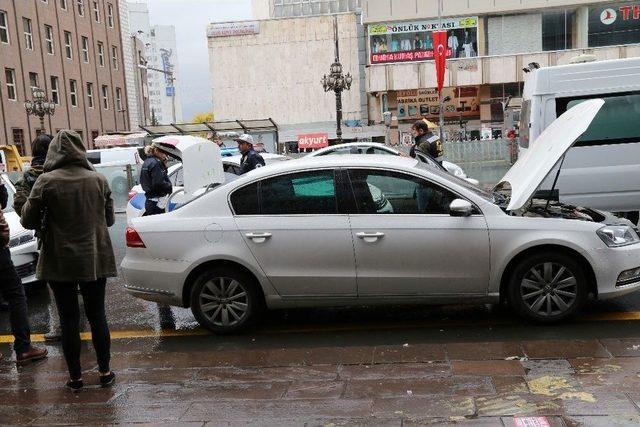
<point>370,237</point>
<point>258,237</point>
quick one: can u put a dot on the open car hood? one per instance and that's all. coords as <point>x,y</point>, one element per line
<point>526,175</point>
<point>201,160</point>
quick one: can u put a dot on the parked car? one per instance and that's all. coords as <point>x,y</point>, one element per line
<point>377,148</point>
<point>22,243</point>
<point>308,233</point>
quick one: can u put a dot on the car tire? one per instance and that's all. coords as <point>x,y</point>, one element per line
<point>547,287</point>
<point>225,300</point>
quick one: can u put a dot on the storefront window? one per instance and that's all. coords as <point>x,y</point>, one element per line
<point>614,24</point>
<point>557,30</point>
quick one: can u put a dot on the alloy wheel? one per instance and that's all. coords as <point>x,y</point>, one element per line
<point>224,301</point>
<point>549,289</point>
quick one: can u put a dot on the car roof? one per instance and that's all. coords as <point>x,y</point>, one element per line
<point>237,158</point>
<point>352,144</point>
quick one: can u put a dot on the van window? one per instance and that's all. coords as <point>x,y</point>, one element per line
<point>94,157</point>
<point>525,114</point>
<point>616,122</point>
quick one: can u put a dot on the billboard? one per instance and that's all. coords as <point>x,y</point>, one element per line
<point>614,24</point>
<point>229,29</point>
<point>412,41</point>
<point>416,104</point>
<point>313,140</point>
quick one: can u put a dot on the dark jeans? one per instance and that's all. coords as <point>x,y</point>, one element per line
<point>13,292</point>
<point>69,310</point>
<point>151,208</point>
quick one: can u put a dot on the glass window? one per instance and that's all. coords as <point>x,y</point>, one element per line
<point>110,14</point>
<point>557,30</point>
<point>73,86</point>
<point>81,7</point>
<point>90,95</point>
<point>245,200</point>
<point>33,81</point>
<point>63,4</point>
<point>67,45</point>
<point>114,57</point>
<point>28,34</point>
<point>105,97</point>
<point>55,90</point>
<point>616,122</point>
<point>85,49</point>
<point>18,140</point>
<point>48,37</point>
<point>10,76</point>
<point>119,98</point>
<point>96,11</point>
<point>307,193</point>
<point>101,54</point>
<point>4,27</point>
<point>523,128</point>
<point>386,192</point>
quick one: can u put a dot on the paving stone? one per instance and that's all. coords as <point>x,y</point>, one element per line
<point>517,404</point>
<point>487,367</point>
<point>339,355</point>
<point>315,390</point>
<point>179,393</point>
<point>20,414</point>
<point>105,414</point>
<point>353,422</point>
<point>404,370</point>
<point>539,367</point>
<point>424,407</point>
<point>607,402</point>
<point>510,385</point>
<point>483,350</point>
<point>289,373</point>
<point>454,421</point>
<point>616,365</point>
<point>384,388</point>
<point>59,395</point>
<point>564,349</point>
<point>622,347</point>
<point>603,421</point>
<point>409,353</point>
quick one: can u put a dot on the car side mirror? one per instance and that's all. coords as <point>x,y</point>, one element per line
<point>460,207</point>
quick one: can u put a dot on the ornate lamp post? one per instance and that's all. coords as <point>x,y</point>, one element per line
<point>337,82</point>
<point>40,106</point>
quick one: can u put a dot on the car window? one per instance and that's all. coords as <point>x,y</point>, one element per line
<point>177,178</point>
<point>245,200</point>
<point>9,207</point>
<point>387,192</point>
<point>310,193</point>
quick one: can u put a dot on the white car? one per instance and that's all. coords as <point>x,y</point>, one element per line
<point>22,243</point>
<point>309,233</point>
<point>377,148</point>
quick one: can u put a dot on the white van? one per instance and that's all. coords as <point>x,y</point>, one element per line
<point>112,163</point>
<point>602,170</point>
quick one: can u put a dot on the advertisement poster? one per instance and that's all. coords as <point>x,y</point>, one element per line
<point>614,23</point>
<point>423,103</point>
<point>313,140</point>
<point>412,41</point>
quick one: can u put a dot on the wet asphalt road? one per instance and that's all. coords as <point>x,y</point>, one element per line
<point>378,325</point>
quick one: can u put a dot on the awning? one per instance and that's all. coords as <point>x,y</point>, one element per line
<point>239,126</point>
<point>289,133</point>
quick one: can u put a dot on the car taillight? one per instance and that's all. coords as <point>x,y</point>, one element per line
<point>132,194</point>
<point>133,239</point>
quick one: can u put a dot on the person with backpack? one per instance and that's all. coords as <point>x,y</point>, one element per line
<point>426,142</point>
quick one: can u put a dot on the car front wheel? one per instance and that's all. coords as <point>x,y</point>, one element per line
<point>224,300</point>
<point>548,287</point>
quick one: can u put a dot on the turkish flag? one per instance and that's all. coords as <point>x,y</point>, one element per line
<point>440,55</point>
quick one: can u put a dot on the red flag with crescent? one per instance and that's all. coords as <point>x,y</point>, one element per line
<point>440,55</point>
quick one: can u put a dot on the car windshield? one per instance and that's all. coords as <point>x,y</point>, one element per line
<point>10,191</point>
<point>463,183</point>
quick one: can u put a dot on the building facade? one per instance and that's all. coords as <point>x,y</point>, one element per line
<point>264,9</point>
<point>489,43</point>
<point>73,51</point>
<point>162,64</point>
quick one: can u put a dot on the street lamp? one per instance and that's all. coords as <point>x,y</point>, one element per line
<point>40,106</point>
<point>337,82</point>
<point>387,124</point>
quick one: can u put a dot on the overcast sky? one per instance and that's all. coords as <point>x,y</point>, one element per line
<point>190,17</point>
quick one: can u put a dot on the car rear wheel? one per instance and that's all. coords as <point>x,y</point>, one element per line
<point>224,300</point>
<point>548,287</point>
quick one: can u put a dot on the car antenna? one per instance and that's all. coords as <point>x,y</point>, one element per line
<point>555,181</point>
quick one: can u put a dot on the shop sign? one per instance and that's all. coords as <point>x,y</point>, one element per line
<point>412,41</point>
<point>424,103</point>
<point>313,140</point>
<point>614,24</point>
<point>229,29</point>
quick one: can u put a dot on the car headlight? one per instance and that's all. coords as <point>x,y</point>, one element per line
<point>618,235</point>
<point>22,239</point>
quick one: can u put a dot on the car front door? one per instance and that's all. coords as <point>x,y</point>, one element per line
<point>297,235</point>
<point>407,243</point>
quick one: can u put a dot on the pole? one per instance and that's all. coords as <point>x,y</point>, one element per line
<point>173,98</point>
<point>338,92</point>
<point>441,116</point>
<point>42,123</point>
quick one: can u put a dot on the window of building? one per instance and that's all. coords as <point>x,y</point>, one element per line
<point>96,11</point>
<point>4,27</point>
<point>557,30</point>
<point>114,57</point>
<point>119,98</point>
<point>67,45</point>
<point>33,81</point>
<point>28,33</point>
<point>105,97</point>
<point>18,139</point>
<point>90,95</point>
<point>101,54</point>
<point>386,192</point>
<point>73,86</point>
<point>48,38</point>
<point>81,7</point>
<point>306,193</point>
<point>110,15</point>
<point>63,4</point>
<point>10,76</point>
<point>85,49</point>
<point>55,90</point>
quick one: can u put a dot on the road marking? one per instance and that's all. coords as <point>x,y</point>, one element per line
<point>148,333</point>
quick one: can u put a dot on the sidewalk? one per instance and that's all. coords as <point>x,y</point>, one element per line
<point>529,383</point>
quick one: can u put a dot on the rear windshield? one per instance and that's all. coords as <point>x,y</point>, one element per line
<point>525,115</point>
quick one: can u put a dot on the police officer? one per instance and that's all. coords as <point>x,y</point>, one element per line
<point>426,141</point>
<point>250,158</point>
<point>154,180</point>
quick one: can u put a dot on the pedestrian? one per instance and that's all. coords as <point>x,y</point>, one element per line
<point>155,180</point>
<point>250,158</point>
<point>4,198</point>
<point>71,207</point>
<point>39,149</point>
<point>12,292</point>
<point>219,142</point>
<point>426,141</point>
